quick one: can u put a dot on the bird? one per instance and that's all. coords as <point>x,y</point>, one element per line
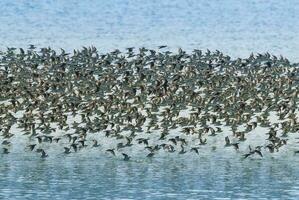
<point>5,142</point>
<point>31,146</point>
<point>257,150</point>
<point>67,150</point>
<point>162,46</point>
<point>227,141</point>
<point>182,151</point>
<point>95,143</point>
<point>146,100</point>
<point>111,151</point>
<point>5,151</point>
<point>203,141</point>
<point>126,157</point>
<point>44,154</point>
<point>195,149</point>
<point>150,155</point>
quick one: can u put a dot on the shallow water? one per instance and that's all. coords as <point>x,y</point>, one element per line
<point>235,27</point>
<point>100,177</point>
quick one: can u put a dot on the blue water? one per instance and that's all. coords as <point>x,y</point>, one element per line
<point>232,26</point>
<point>235,27</point>
<point>100,177</point>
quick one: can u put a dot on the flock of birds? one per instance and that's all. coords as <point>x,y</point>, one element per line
<point>153,101</point>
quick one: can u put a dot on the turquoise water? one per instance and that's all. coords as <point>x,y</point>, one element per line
<point>235,27</point>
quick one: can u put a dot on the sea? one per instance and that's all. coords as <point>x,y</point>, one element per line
<point>235,27</point>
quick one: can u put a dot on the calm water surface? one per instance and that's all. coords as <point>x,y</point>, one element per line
<point>182,177</point>
<point>232,26</point>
